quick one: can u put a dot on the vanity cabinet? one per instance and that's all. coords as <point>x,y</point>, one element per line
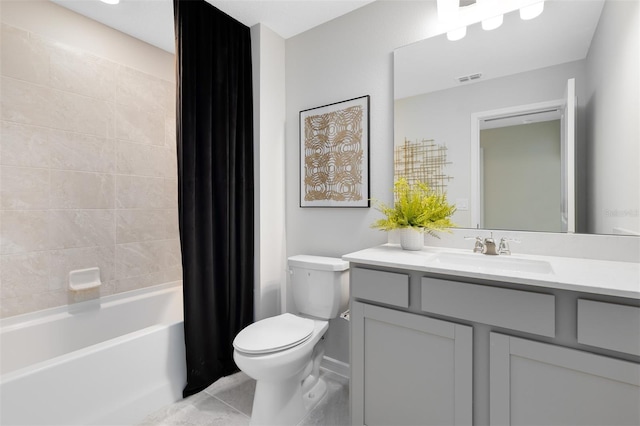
<point>406,369</point>
<point>543,384</point>
<point>429,348</point>
<point>409,369</point>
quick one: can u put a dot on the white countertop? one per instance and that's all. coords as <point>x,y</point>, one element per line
<point>586,275</point>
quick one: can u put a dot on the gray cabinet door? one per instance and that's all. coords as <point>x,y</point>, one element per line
<point>535,383</point>
<point>409,369</point>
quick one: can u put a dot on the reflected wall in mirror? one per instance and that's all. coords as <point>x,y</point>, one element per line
<point>524,64</point>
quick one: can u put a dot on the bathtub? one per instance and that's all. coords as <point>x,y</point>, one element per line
<point>110,362</point>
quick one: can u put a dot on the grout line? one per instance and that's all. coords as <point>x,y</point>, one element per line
<point>228,405</point>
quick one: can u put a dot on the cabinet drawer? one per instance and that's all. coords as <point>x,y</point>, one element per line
<point>513,309</point>
<point>609,326</point>
<point>379,286</point>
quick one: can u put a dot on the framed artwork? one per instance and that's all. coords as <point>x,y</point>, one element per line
<point>334,154</point>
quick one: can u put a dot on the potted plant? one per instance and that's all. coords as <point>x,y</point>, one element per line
<point>417,210</point>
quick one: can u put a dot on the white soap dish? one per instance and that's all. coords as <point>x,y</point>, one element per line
<point>84,279</point>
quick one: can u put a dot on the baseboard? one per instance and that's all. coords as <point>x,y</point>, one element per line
<point>341,368</point>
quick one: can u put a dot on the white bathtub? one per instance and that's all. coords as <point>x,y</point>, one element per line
<point>110,364</point>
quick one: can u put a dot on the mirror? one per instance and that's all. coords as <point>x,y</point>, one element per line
<point>448,92</point>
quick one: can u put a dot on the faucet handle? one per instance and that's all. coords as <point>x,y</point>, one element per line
<point>504,248</point>
<point>479,244</point>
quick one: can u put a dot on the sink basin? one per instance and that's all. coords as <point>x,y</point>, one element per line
<point>485,263</point>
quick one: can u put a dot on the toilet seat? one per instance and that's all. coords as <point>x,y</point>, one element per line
<point>274,334</point>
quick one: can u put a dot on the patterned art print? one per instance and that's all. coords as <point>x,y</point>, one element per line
<point>334,155</point>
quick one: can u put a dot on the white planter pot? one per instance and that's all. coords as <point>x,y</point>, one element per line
<point>411,239</point>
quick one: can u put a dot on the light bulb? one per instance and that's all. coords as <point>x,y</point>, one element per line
<point>531,11</point>
<point>492,23</point>
<point>457,34</point>
<point>448,9</point>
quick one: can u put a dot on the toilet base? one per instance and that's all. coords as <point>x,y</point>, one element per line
<point>284,404</point>
<point>313,397</point>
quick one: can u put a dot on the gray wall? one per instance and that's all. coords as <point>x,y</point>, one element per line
<point>614,175</point>
<point>268,56</point>
<point>348,57</point>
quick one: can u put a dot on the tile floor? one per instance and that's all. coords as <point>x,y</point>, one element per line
<point>229,401</point>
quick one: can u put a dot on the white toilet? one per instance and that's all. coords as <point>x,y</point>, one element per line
<point>283,353</point>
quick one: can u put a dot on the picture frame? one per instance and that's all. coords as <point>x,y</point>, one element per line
<point>334,154</point>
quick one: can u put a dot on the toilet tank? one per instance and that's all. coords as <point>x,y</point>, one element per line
<point>320,285</point>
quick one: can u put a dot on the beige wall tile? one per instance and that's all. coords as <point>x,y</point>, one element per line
<point>145,160</point>
<point>83,114</point>
<point>23,55</point>
<point>140,281</point>
<point>136,192</point>
<point>170,136</point>
<point>76,151</point>
<point>135,259</point>
<point>28,103</point>
<point>33,302</point>
<point>173,260</point>
<point>140,90</point>
<point>24,274</point>
<point>24,188</point>
<point>80,190</point>
<point>24,231</point>
<point>82,228</point>
<point>63,175</point>
<point>75,71</point>
<point>171,192</point>
<point>169,93</point>
<point>145,225</point>
<point>170,115</point>
<point>173,273</point>
<point>137,124</point>
<point>65,261</point>
<point>23,145</point>
<point>83,295</point>
<point>137,264</point>
<point>15,306</point>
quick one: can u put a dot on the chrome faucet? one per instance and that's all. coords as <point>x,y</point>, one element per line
<point>479,245</point>
<point>504,248</point>
<point>488,245</point>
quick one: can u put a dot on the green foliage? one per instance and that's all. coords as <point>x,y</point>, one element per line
<point>416,206</point>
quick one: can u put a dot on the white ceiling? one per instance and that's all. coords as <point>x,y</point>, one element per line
<point>152,20</point>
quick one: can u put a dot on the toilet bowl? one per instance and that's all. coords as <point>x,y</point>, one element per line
<point>281,397</point>
<point>283,353</point>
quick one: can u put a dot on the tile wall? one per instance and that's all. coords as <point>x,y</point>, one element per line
<point>87,174</point>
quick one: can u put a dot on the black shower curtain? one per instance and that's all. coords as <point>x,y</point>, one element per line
<point>215,185</point>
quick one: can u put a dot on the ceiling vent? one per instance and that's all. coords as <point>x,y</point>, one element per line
<point>470,77</point>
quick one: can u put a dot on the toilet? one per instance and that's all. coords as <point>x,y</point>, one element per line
<point>283,353</point>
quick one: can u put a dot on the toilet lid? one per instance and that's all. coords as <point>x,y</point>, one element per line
<point>274,334</point>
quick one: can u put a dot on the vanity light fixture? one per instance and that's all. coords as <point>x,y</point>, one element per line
<point>492,23</point>
<point>532,11</point>
<point>110,1</point>
<point>448,9</point>
<point>460,13</point>
<point>491,14</point>
<point>457,34</point>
